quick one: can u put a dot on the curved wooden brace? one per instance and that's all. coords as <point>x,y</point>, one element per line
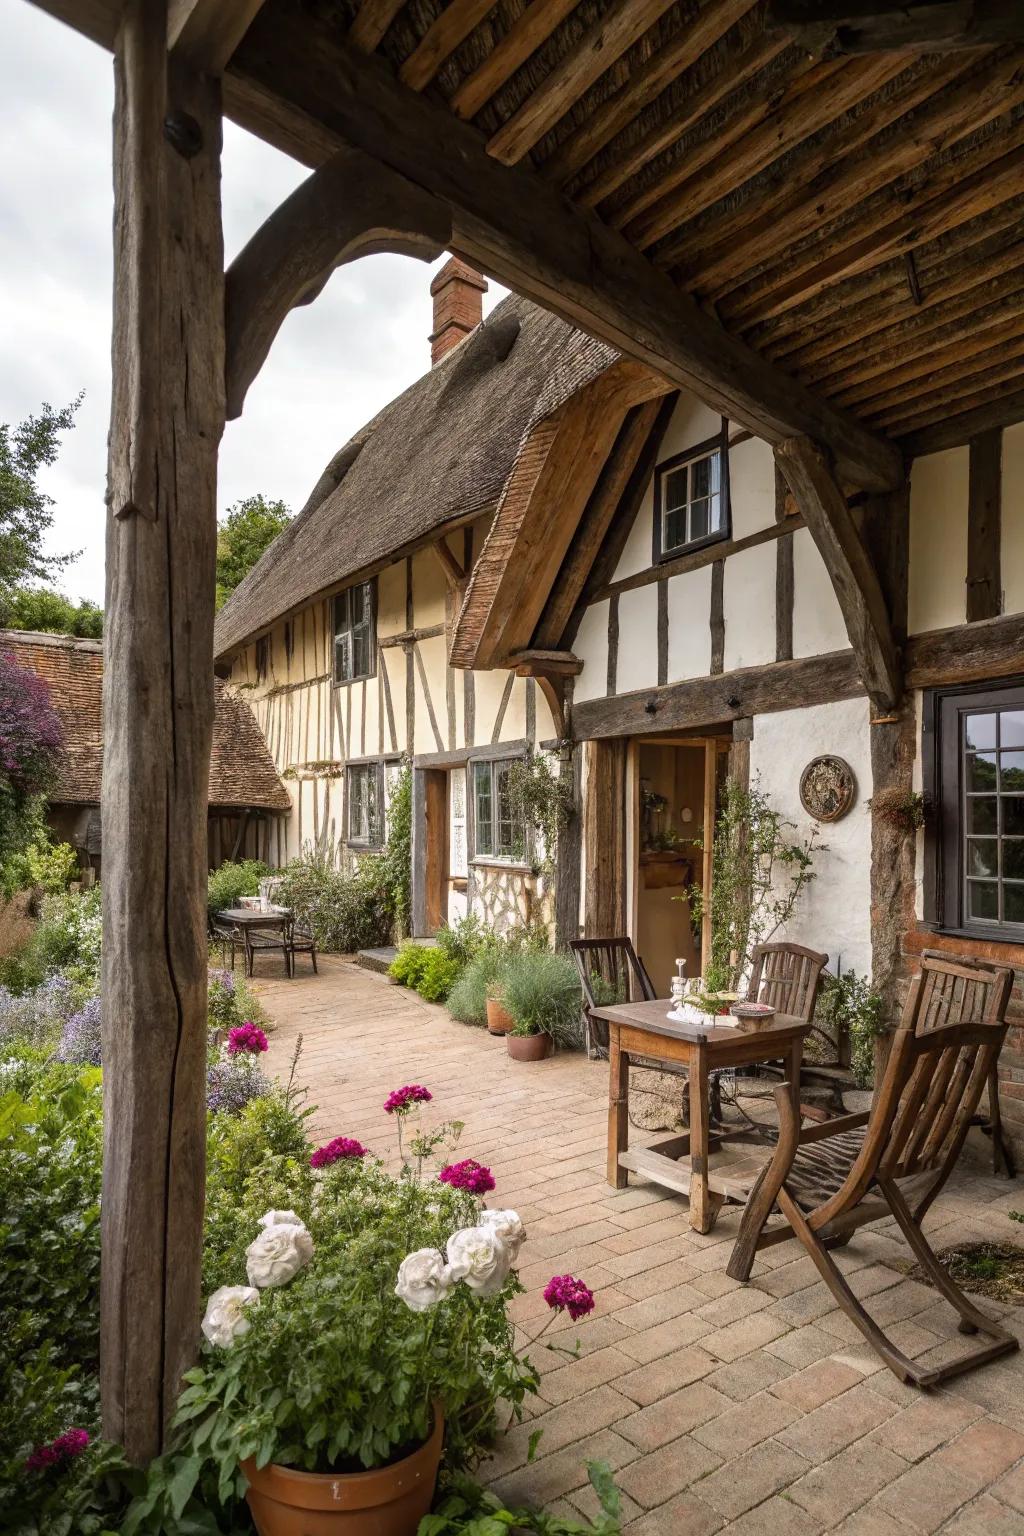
<point>351,206</point>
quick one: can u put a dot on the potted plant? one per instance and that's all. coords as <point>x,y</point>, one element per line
<point>499,1020</point>
<point>542,994</point>
<point>371,1338</point>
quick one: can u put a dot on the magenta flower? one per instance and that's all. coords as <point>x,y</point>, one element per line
<point>566,1293</point>
<point>246,1037</point>
<point>402,1099</point>
<point>65,1448</point>
<point>335,1151</point>
<point>468,1175</point>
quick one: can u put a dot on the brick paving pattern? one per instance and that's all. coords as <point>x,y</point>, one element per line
<point>754,1409</point>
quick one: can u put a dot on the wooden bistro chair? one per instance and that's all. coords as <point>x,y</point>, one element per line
<point>613,968</point>
<point>787,976</point>
<point>833,1177</point>
<point>261,941</point>
<point>226,936</point>
<point>301,942</point>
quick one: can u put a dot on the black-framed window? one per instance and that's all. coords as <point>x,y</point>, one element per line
<point>691,498</point>
<point>365,804</point>
<point>976,765</point>
<point>498,833</point>
<point>355,633</point>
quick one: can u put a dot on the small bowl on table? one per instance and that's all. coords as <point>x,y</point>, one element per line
<point>752,1015</point>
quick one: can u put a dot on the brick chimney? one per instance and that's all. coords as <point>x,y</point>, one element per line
<point>458,294</point>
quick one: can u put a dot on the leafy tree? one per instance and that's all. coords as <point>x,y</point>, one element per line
<point>25,515</point>
<point>250,526</point>
<point>51,613</point>
<point>31,740</point>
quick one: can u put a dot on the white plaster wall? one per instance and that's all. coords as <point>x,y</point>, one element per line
<point>938,540</point>
<point>692,422</point>
<point>638,553</point>
<point>749,604</point>
<point>751,486</point>
<point>834,913</point>
<point>689,632</point>
<point>591,646</point>
<point>638,640</point>
<point>391,599</point>
<point>817,620</point>
<point>1013,519</point>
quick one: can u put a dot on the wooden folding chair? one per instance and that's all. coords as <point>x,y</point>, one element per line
<point>942,1002</point>
<point>831,1178</point>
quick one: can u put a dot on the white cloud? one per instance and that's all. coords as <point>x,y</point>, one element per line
<point>334,364</point>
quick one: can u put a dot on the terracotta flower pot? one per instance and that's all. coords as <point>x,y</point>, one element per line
<point>499,1020</point>
<point>389,1501</point>
<point>529,1047</point>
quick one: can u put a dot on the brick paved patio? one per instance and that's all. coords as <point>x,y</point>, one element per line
<point>753,1409</point>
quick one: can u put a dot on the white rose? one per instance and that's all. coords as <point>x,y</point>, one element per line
<point>423,1279</point>
<point>508,1227</point>
<point>478,1256</point>
<point>226,1317</point>
<point>282,1219</point>
<point>277,1255</point>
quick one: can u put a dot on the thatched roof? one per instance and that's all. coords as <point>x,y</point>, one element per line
<point>242,772</point>
<point>438,454</point>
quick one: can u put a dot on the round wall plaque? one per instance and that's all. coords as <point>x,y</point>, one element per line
<point>828,788</point>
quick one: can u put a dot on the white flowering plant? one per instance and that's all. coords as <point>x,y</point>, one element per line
<point>375,1301</point>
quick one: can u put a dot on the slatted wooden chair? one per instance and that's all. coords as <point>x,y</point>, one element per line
<point>832,1178</point>
<point>788,976</point>
<point>950,999</point>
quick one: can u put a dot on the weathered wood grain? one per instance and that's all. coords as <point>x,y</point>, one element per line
<point>207,32</point>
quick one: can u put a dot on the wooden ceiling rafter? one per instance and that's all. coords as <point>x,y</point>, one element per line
<point>871,26</point>
<point>533,28</point>
<point>207,32</point>
<point>970,386</point>
<point>450,28</point>
<point>372,21</point>
<point>933,367</point>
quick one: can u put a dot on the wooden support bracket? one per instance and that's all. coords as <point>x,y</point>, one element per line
<point>854,578</point>
<point>351,206</point>
<point>453,571</point>
<point>207,32</point>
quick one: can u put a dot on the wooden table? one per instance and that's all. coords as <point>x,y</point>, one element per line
<point>249,917</point>
<point>707,1167</point>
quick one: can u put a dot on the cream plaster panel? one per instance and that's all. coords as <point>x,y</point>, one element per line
<point>371,732</point>
<point>938,540</point>
<point>834,912</point>
<point>547,730</point>
<point>638,552</point>
<point>1013,519</point>
<point>749,603</point>
<point>391,600</point>
<point>489,688</point>
<point>751,486</point>
<point>818,625</point>
<point>692,423</point>
<point>689,633</point>
<point>460,709</point>
<point>638,640</point>
<point>591,646</point>
<point>393,658</point>
<point>433,654</point>
<point>429,590</point>
<point>513,727</point>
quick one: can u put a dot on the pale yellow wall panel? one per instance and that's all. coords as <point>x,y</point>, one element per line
<point>938,540</point>
<point>391,600</point>
<point>393,658</point>
<point>433,656</point>
<point>429,590</point>
<point>1013,519</point>
<point>489,688</point>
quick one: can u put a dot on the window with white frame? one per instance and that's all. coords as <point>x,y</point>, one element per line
<point>691,502</point>
<point>365,805</point>
<point>498,833</point>
<point>355,633</point>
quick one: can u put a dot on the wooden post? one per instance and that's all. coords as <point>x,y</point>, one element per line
<point>166,421</point>
<point>604,840</point>
<point>707,862</point>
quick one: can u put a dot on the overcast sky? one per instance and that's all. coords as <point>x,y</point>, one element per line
<point>334,364</point>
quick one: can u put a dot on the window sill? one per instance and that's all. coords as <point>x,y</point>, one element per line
<point>977,935</point>
<point>493,861</point>
<point>346,682</point>
<point>679,550</point>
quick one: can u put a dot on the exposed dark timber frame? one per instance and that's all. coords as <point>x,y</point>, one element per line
<point>871,26</point>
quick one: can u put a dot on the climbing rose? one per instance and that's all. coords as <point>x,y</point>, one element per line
<point>469,1175</point>
<point>225,1319</point>
<point>478,1256</point>
<point>423,1279</point>
<point>565,1293</point>
<point>277,1255</point>
<point>508,1226</point>
<point>334,1151</point>
<point>403,1099</point>
<point>246,1037</point>
<point>66,1446</point>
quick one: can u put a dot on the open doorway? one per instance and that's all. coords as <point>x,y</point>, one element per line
<point>674,793</point>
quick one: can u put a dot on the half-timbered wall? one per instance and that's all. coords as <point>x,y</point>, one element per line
<point>414,708</point>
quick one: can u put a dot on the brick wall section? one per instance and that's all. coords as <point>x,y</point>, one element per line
<point>458,295</point>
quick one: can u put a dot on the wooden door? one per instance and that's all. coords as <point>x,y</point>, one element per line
<point>435,870</point>
<point>604,839</point>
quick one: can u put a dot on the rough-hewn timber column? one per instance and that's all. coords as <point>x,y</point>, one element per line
<point>166,421</point>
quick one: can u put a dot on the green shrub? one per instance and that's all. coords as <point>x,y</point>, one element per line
<point>394,866</point>
<point>439,974</point>
<point>466,937</point>
<point>67,938</point>
<point>409,964</point>
<point>41,866</point>
<point>849,1004</point>
<point>346,911</point>
<point>228,884</point>
<point>541,990</point>
<point>467,1000</point>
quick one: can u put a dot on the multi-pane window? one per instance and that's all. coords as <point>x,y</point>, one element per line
<point>974,769</point>
<point>498,832</point>
<point>691,503</point>
<point>365,808</point>
<point>992,746</point>
<point>355,633</point>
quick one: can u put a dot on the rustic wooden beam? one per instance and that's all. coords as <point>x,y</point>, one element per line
<point>167,417</point>
<point>511,226</point>
<point>350,207</point>
<point>449,28</point>
<point>568,883</point>
<point>532,28</point>
<point>959,427</point>
<point>784,574</point>
<point>604,839</point>
<point>984,576</point>
<point>454,574</point>
<point>853,575</point>
<point>871,26</point>
<point>372,21</point>
<point>207,32</point>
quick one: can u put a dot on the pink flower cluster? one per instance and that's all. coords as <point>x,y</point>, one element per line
<point>334,1151</point>
<point>65,1448</point>
<point>468,1175</point>
<point>402,1099</point>
<point>246,1037</point>
<point>564,1293</point>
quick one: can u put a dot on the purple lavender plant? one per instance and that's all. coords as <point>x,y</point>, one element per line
<point>231,1085</point>
<point>39,1015</point>
<point>80,1042</point>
